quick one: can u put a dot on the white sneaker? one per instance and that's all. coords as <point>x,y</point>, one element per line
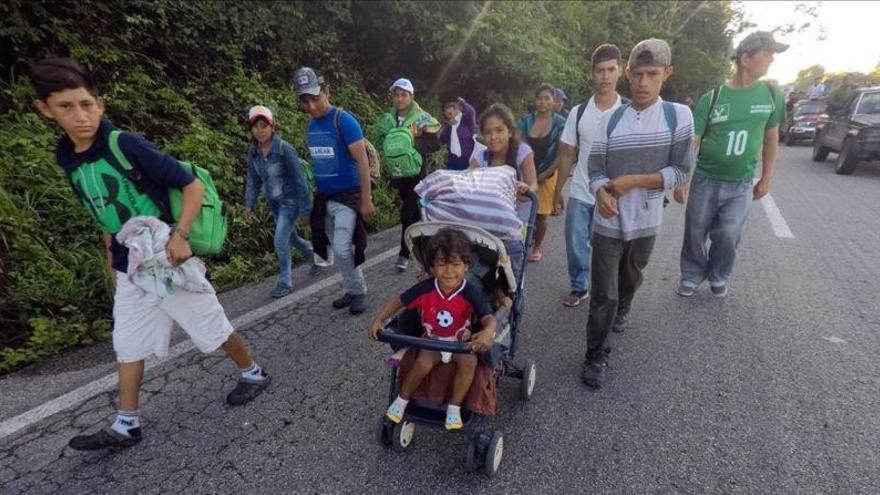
<point>402,263</point>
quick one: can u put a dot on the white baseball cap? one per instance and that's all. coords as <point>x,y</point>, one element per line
<point>404,84</point>
<point>258,112</point>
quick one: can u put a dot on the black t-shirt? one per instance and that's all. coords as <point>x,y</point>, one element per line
<point>160,170</point>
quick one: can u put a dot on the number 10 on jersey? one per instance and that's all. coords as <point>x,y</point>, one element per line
<point>736,142</point>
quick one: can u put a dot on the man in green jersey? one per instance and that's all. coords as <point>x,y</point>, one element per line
<point>731,124</point>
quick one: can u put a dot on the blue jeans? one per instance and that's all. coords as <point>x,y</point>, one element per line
<point>578,226</point>
<point>285,215</point>
<point>516,251</point>
<point>340,224</point>
<point>716,215</point>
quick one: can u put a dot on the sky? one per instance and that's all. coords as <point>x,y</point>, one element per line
<point>852,36</point>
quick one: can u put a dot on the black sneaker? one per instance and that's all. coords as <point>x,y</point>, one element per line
<point>105,439</point>
<point>620,322</point>
<point>593,373</point>
<point>342,302</point>
<point>280,291</point>
<point>719,290</point>
<point>402,264</point>
<point>246,390</point>
<point>358,304</point>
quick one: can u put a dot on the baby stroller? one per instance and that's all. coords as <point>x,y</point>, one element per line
<point>427,406</point>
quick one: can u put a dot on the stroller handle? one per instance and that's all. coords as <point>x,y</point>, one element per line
<point>390,337</point>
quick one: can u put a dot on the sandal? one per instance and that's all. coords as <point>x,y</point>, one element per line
<point>536,256</point>
<point>454,422</point>
<point>394,412</point>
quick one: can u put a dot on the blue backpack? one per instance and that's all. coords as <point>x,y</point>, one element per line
<point>668,112</point>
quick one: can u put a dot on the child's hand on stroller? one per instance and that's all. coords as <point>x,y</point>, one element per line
<point>482,341</point>
<point>522,188</point>
<point>374,329</point>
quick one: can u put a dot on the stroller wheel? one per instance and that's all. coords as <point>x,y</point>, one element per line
<point>402,435</point>
<point>471,460</point>
<point>527,385</point>
<point>494,453</point>
<point>383,432</point>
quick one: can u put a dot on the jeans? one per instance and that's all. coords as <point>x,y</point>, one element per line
<point>409,208</point>
<point>285,215</point>
<point>578,226</point>
<point>340,224</point>
<point>617,274</point>
<point>716,212</point>
<point>516,251</point>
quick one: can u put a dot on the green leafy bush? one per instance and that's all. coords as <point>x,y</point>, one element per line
<point>185,73</point>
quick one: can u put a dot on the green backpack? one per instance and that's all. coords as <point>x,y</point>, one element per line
<point>309,175</point>
<point>209,228</point>
<point>400,154</point>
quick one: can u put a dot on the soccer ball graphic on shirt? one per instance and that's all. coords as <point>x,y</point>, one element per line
<point>444,319</point>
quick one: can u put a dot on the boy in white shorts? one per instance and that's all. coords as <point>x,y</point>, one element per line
<point>114,195</point>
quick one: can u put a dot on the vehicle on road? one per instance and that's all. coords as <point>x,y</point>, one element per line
<point>853,132</point>
<point>801,122</point>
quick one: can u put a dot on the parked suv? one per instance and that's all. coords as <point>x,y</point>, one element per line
<point>802,120</point>
<point>853,132</point>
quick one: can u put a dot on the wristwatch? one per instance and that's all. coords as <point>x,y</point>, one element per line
<point>180,232</point>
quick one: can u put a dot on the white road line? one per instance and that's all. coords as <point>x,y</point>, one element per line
<point>105,383</point>
<point>780,228</point>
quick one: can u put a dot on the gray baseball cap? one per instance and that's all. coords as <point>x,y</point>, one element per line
<point>757,41</point>
<point>306,82</point>
<point>653,51</point>
<point>559,95</point>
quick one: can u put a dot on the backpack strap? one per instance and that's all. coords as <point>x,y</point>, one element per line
<point>672,124</point>
<point>336,121</point>
<point>615,118</point>
<point>712,100</point>
<point>582,108</point>
<point>339,129</point>
<point>137,178</point>
<point>120,156</point>
<point>671,117</point>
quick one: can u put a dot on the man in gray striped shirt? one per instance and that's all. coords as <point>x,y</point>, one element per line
<point>641,149</point>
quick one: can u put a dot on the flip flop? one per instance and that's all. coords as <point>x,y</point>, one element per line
<point>536,256</point>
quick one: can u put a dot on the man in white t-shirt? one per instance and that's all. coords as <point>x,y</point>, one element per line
<point>580,130</point>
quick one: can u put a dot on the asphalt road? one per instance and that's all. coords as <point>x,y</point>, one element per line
<point>775,389</point>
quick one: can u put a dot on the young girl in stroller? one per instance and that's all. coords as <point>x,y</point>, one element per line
<point>445,303</point>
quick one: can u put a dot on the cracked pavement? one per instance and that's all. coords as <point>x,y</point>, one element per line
<point>775,389</point>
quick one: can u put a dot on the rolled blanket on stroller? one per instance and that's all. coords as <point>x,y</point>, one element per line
<point>482,197</point>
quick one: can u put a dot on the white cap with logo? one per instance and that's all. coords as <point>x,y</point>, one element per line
<point>404,84</point>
